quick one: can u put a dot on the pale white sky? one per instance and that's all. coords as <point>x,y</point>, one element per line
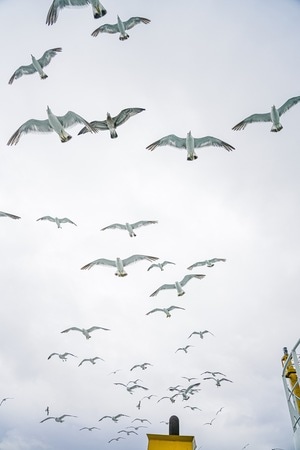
<point>199,66</point>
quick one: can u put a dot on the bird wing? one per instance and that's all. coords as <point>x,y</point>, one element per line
<point>89,330</point>
<point>66,415</point>
<point>210,140</point>
<point>266,117</point>
<point>214,260</point>
<point>167,262</point>
<point>130,23</point>
<point>72,328</point>
<point>200,263</point>
<point>288,104</point>
<point>174,307</point>
<point>47,418</point>
<point>59,4</point>
<point>151,267</point>
<point>142,223</point>
<point>51,219</point>
<point>152,311</point>
<point>66,220</point>
<point>135,258</point>
<point>171,139</point>
<point>96,125</point>
<point>114,225</point>
<point>188,277</point>
<point>125,114</point>
<point>31,126</point>
<point>22,70</point>
<point>225,379</point>
<point>52,354</point>
<point>12,216</point>
<point>191,387</point>
<point>106,28</point>
<point>48,55</point>
<point>71,118</point>
<point>164,286</point>
<point>102,261</point>
<point>82,362</point>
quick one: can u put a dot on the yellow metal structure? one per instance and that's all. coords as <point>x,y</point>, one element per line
<point>170,442</point>
<point>290,373</point>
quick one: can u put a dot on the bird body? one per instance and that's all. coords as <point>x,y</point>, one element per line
<point>273,116</point>
<point>178,285</point>
<point>57,220</point>
<point>37,65</point>
<point>52,16</point>
<point>160,265</point>
<point>189,143</point>
<point>62,356</point>
<point>111,123</point>
<point>85,332</point>
<point>11,216</point>
<point>165,310</point>
<point>120,27</point>
<point>118,263</point>
<point>207,262</point>
<point>130,227</point>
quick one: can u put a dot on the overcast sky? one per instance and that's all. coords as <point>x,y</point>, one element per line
<point>201,66</point>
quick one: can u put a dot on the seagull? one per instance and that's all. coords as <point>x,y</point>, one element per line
<point>273,116</point>
<point>160,265</point>
<point>211,422</point>
<point>185,349</point>
<point>189,379</point>
<point>120,27</point>
<point>201,333</point>
<point>172,398</point>
<point>85,332</point>
<point>52,123</point>
<point>130,388</point>
<point>90,428</point>
<point>219,410</point>
<point>141,420</point>
<point>47,411</point>
<point>207,262</point>
<point>189,143</point>
<point>98,9</point>
<point>190,388</point>
<point>218,380</point>
<point>143,366</point>
<point>118,263</point>
<point>114,418</point>
<point>11,216</point>
<point>116,439</point>
<point>91,360</point>
<point>111,123</point>
<point>37,65</point>
<point>178,285</point>
<point>130,226</point>
<point>57,220</point>
<point>136,428</point>
<point>165,310</point>
<point>4,399</point>
<point>128,432</point>
<point>62,356</point>
<point>193,408</point>
<point>214,374</point>
<point>57,419</point>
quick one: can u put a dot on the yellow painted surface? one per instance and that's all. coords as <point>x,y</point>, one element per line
<point>170,442</point>
<point>290,373</point>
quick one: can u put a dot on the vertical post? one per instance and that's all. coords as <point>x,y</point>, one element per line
<point>174,426</point>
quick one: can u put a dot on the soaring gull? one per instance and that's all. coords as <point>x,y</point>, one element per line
<point>111,123</point>
<point>178,285</point>
<point>37,65</point>
<point>57,220</point>
<point>91,360</point>
<point>143,366</point>
<point>58,419</point>
<point>185,349</point>
<point>190,143</point>
<point>114,418</point>
<point>207,262</point>
<point>98,9</point>
<point>62,356</point>
<point>273,116</point>
<point>53,123</point>
<point>217,380</point>
<point>201,333</point>
<point>120,27</point>
<point>160,265</point>
<point>90,428</point>
<point>130,226</point>
<point>165,310</point>
<point>11,216</point>
<point>118,263</point>
<point>85,332</point>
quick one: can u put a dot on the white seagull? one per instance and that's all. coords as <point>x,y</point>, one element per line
<point>114,418</point>
<point>120,27</point>
<point>206,262</point>
<point>53,123</point>
<point>178,285</point>
<point>189,143</point>
<point>37,65</point>
<point>85,332</point>
<point>118,263</point>
<point>90,428</point>
<point>184,349</point>
<point>130,388</point>
<point>98,9</point>
<point>130,226</point>
<point>165,310</point>
<point>201,333</point>
<point>160,265</point>
<point>11,216</point>
<point>91,360</point>
<point>214,374</point>
<point>111,123</point>
<point>62,356</point>
<point>217,380</point>
<point>143,366</point>
<point>57,220</point>
<point>273,116</point>
<point>57,419</point>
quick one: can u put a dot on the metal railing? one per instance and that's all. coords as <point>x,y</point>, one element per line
<point>290,378</point>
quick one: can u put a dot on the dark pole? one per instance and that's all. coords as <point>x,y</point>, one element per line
<point>174,426</point>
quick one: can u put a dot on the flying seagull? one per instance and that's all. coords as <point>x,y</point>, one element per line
<point>128,432</point>
<point>210,423</point>
<point>91,360</point>
<point>273,116</point>
<point>116,439</point>
<point>165,310</point>
<point>98,9</point>
<point>62,356</point>
<point>118,263</point>
<point>111,123</point>
<point>185,349</point>
<point>160,265</point>
<point>190,143</point>
<point>120,27</point>
<point>11,216</point>
<point>143,366</point>
<point>53,123</point>
<point>201,333</point>
<point>57,220</point>
<point>85,332</point>
<point>47,411</point>
<point>178,285</point>
<point>4,399</point>
<point>130,226</point>
<point>217,380</point>
<point>114,418</point>
<point>37,65</point>
<point>207,262</point>
<point>90,428</point>
<point>57,419</point>
<point>193,408</point>
<point>214,374</point>
<point>141,420</point>
<point>134,386</point>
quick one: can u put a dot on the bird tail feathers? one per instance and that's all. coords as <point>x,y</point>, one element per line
<point>276,128</point>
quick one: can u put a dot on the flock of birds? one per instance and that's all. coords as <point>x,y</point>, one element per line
<point>59,124</point>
